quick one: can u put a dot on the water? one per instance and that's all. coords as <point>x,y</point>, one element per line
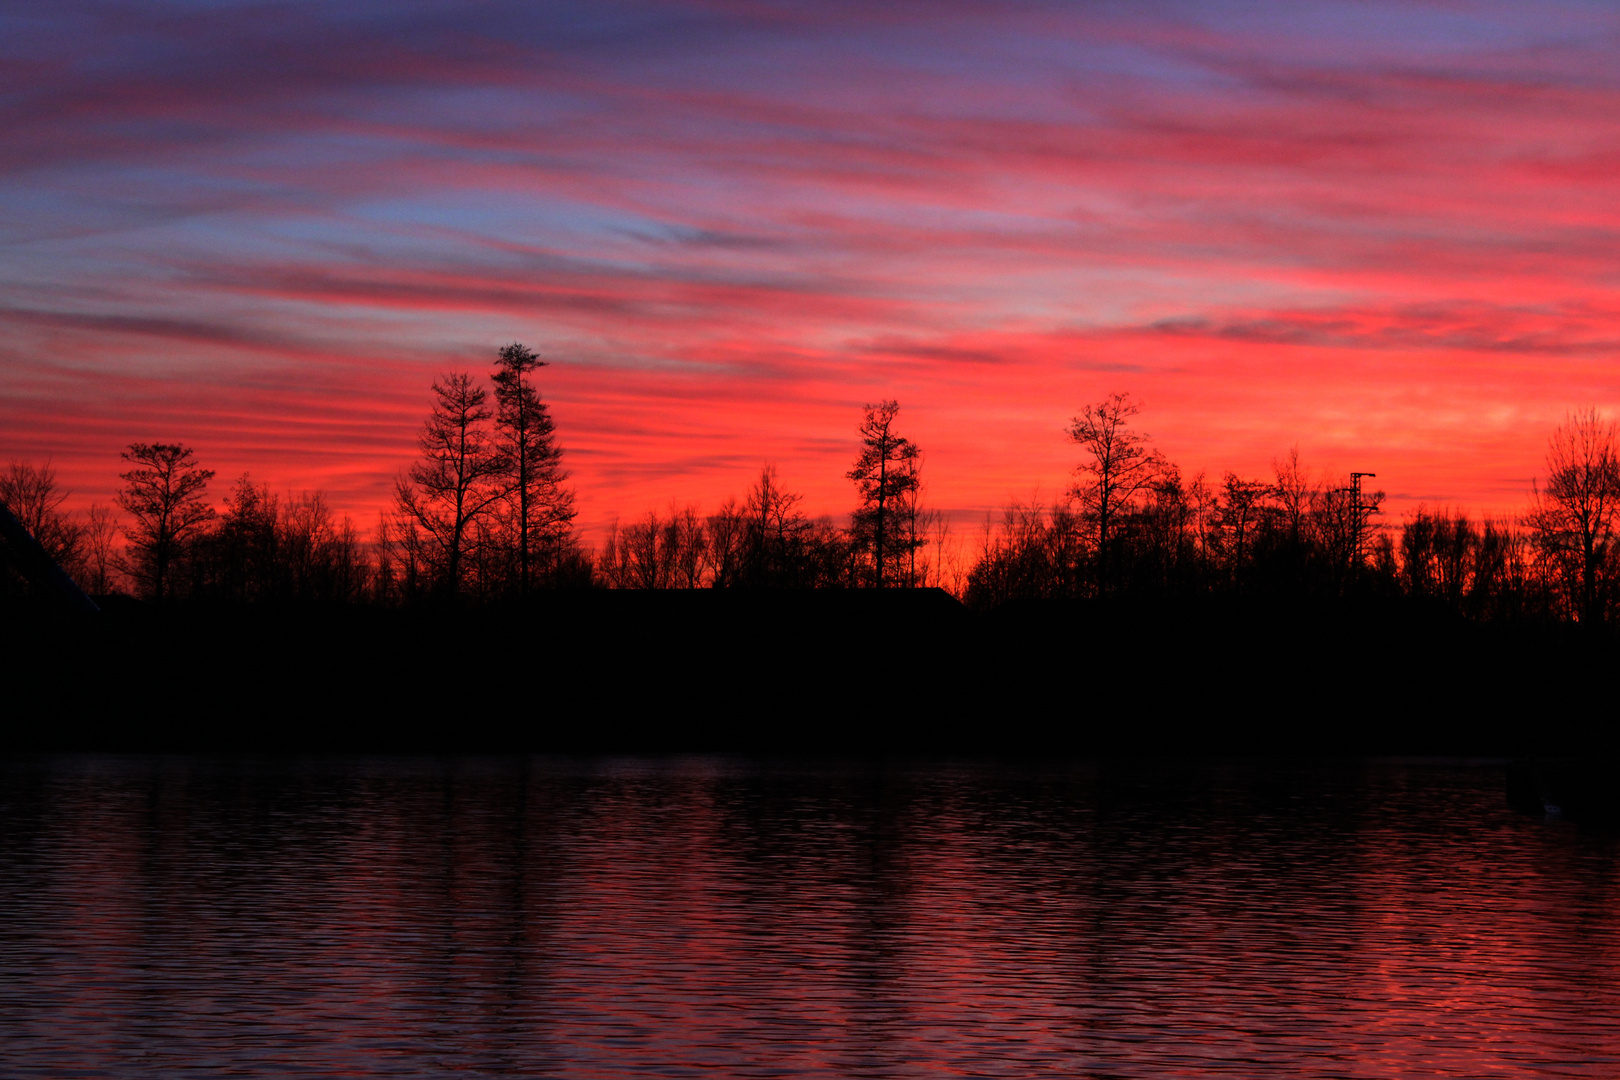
<point>533,917</point>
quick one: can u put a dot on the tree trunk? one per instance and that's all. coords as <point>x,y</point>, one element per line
<point>883,483</point>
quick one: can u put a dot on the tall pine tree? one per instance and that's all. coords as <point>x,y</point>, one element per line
<point>884,474</point>
<point>540,508</point>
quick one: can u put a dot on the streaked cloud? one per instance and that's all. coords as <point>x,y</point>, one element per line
<point>1383,231</point>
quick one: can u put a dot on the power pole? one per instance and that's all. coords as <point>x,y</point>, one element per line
<point>1358,517</point>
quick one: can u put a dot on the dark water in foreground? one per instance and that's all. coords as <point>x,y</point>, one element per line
<point>719,917</point>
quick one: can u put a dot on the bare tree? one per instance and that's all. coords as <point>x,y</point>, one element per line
<point>245,542</point>
<point>611,563</point>
<point>1502,575</point>
<point>1441,557</point>
<point>915,523</point>
<point>164,493</point>
<point>1573,517</point>
<point>1294,489</point>
<point>1166,539</point>
<point>1035,552</point>
<point>885,473</point>
<point>727,532</point>
<point>99,558</point>
<point>943,568</point>
<point>647,555</point>
<point>321,554</point>
<point>689,547</point>
<point>656,553</point>
<point>1119,465</point>
<point>541,507</point>
<point>35,500</point>
<point>1240,507</point>
<point>395,578</point>
<point>764,543</point>
<point>455,482</point>
<point>775,525</point>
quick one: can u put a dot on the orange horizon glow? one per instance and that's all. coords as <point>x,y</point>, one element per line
<point>1384,233</point>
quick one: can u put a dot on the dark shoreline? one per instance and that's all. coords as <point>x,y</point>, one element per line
<point>815,671</point>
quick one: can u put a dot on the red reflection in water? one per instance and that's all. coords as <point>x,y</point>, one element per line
<point>634,919</point>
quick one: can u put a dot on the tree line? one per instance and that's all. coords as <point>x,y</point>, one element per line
<point>485,513</point>
<point>765,540</point>
<point>1133,525</point>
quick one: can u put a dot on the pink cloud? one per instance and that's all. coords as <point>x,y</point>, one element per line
<point>732,225</point>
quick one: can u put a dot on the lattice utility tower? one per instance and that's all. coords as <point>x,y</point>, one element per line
<point>1358,517</point>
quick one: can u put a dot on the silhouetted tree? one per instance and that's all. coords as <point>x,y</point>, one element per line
<point>1119,465</point>
<point>941,566</point>
<point>885,473</point>
<point>915,524</point>
<point>164,493</point>
<point>1573,516</point>
<point>727,533</point>
<point>1501,580</point>
<point>1478,571</point>
<point>688,540</point>
<point>764,543</point>
<point>455,482</point>
<point>1439,552</point>
<point>1239,514</point>
<point>786,549</point>
<point>397,575</point>
<point>1034,553</point>
<point>1286,555</point>
<point>775,525</point>
<point>541,508</point>
<point>657,553</point>
<point>638,555</point>
<point>265,548</point>
<point>1294,490</point>
<point>1166,534</point>
<point>35,500</point>
<point>245,543</point>
<point>99,555</point>
<point>321,555</point>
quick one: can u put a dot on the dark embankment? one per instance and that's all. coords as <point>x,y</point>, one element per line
<point>839,672</point>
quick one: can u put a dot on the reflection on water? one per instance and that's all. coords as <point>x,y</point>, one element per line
<point>686,917</point>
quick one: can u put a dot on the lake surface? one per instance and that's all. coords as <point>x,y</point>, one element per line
<point>721,917</point>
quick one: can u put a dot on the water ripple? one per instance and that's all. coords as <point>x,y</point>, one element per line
<point>703,917</point>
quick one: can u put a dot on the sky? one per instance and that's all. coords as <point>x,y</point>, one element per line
<point>1385,233</point>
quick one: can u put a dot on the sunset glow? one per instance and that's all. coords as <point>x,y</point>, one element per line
<point>1386,233</point>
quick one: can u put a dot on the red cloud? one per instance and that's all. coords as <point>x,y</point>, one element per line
<point>730,226</point>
